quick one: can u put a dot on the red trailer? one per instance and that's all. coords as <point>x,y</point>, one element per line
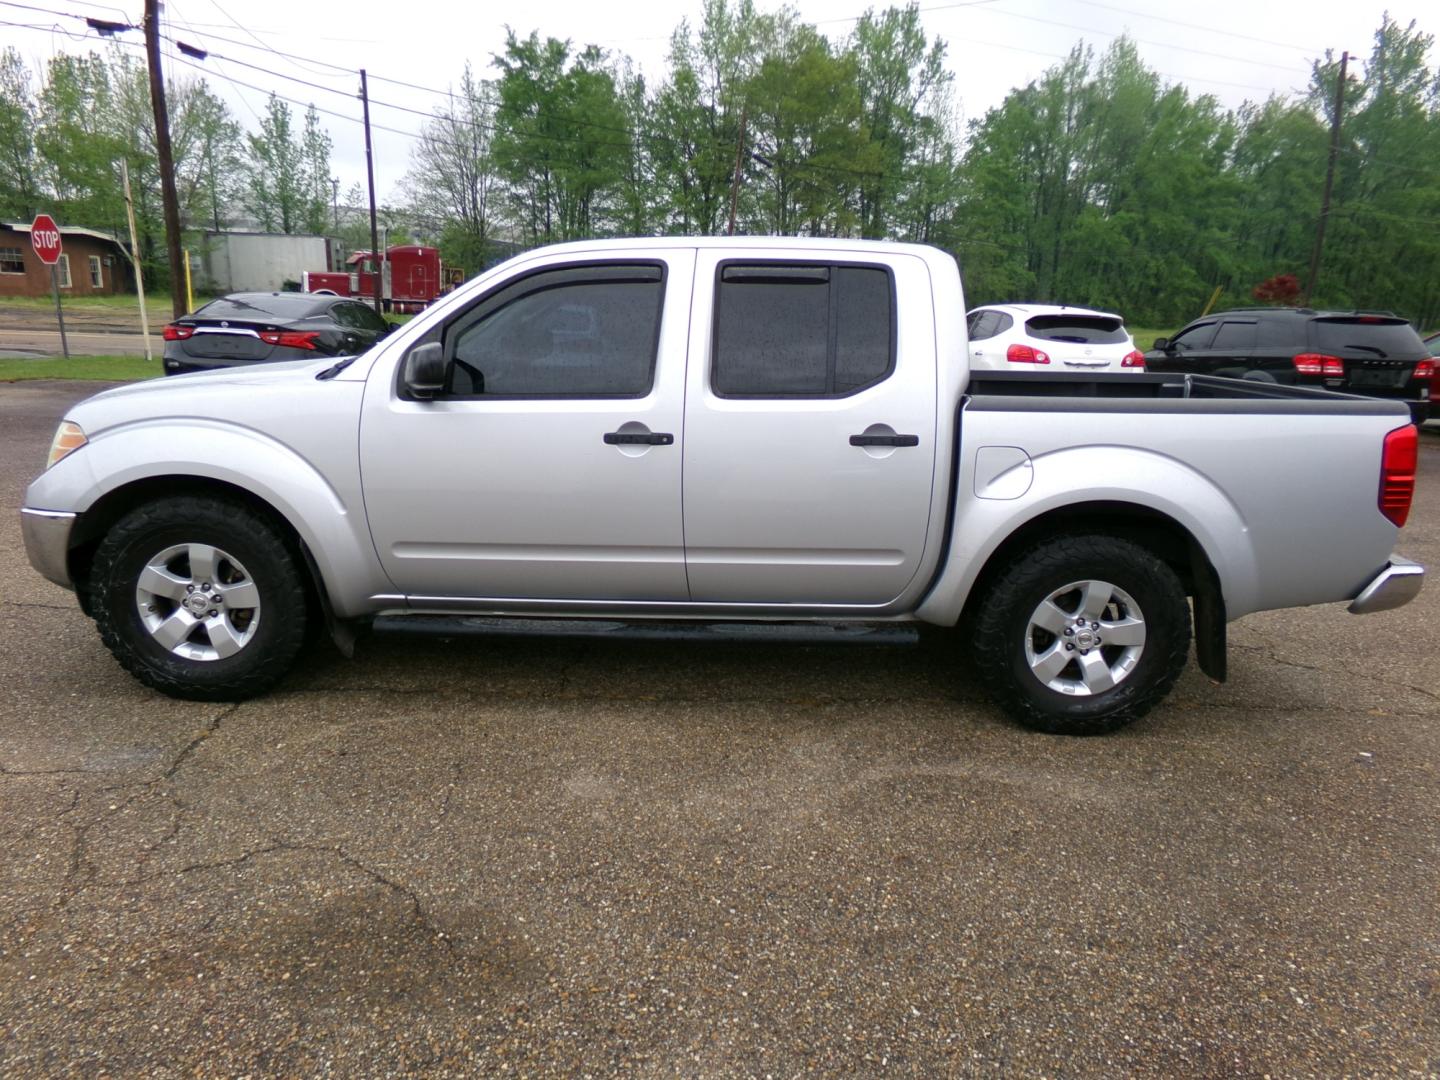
<point>413,276</point>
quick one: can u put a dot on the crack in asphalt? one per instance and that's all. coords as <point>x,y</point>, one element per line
<point>1269,654</point>
<point>35,604</point>
<point>417,906</point>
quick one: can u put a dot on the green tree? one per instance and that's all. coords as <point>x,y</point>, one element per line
<point>19,118</point>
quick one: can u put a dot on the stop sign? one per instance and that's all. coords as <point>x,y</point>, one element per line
<point>45,239</point>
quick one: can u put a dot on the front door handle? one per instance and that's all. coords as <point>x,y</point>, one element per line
<point>884,440</point>
<point>639,438</point>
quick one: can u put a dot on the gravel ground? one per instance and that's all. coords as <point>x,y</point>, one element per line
<point>556,858</point>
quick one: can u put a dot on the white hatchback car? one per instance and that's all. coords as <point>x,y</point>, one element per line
<point>1018,337</point>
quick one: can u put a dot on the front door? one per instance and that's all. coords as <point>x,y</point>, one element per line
<point>549,468</point>
<point>809,430</point>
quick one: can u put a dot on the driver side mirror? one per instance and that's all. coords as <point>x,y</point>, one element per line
<point>1162,344</point>
<point>424,371</point>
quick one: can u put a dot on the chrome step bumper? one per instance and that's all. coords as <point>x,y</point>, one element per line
<point>1393,587</point>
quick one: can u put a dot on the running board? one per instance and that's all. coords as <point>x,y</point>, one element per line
<point>743,632</point>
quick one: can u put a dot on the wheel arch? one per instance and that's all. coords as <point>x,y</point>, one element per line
<point>97,520</point>
<point>1169,539</point>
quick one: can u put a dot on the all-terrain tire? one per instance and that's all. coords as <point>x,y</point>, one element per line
<point>230,653</point>
<point>1018,657</point>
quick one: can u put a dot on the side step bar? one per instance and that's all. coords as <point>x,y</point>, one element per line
<point>742,632</point>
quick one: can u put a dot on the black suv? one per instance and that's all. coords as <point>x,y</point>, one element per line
<point>1372,353</point>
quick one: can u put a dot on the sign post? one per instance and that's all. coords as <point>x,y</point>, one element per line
<point>45,239</point>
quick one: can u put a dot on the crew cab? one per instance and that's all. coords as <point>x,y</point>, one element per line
<point>762,431</point>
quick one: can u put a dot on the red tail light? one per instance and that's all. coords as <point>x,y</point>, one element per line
<point>1024,354</point>
<point>1134,359</point>
<point>176,332</point>
<point>1319,364</point>
<point>1424,370</point>
<point>290,339</point>
<point>1397,473</point>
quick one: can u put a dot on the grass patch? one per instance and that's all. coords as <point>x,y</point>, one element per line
<point>158,307</point>
<point>109,368</point>
<point>1145,337</point>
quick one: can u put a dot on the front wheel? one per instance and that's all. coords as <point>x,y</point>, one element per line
<point>199,598</point>
<point>1082,636</point>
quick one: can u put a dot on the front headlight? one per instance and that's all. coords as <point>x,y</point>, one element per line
<point>68,437</point>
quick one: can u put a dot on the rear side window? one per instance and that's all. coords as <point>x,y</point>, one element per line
<point>1079,329</point>
<point>787,330</point>
<point>1359,336</point>
<point>987,324</point>
<point>565,333</point>
<point>1235,335</point>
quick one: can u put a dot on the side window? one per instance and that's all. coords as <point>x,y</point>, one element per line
<point>982,325</point>
<point>564,333</point>
<point>343,315</point>
<point>1234,335</point>
<point>366,318</point>
<point>786,330</point>
<point>1195,337</point>
<point>1002,323</point>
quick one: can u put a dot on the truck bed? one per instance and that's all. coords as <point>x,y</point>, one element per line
<point>1017,391</point>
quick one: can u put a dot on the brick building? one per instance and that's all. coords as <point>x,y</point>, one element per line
<point>92,263</point>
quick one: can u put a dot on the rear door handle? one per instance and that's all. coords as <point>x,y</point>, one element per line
<point>884,440</point>
<point>639,438</point>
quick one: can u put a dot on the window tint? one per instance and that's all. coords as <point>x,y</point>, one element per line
<point>989,323</point>
<point>253,306</point>
<point>367,318</point>
<point>812,331</point>
<point>343,315</point>
<point>1279,334</point>
<point>1235,335</point>
<point>1195,337</point>
<point>1367,336</point>
<point>559,336</point>
<point>1079,329</point>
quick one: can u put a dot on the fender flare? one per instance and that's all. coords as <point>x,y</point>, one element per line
<point>330,524</point>
<point>1144,479</point>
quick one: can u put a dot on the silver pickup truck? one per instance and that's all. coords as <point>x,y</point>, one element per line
<point>770,431</point>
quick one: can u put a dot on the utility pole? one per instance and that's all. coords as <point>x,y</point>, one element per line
<point>335,201</point>
<point>135,258</point>
<point>1329,179</point>
<point>370,176</point>
<point>739,158</point>
<point>168,197</point>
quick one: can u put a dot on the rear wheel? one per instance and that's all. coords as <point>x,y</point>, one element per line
<point>199,598</point>
<point>1082,636</point>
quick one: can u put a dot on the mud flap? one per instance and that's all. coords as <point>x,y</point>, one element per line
<point>1209,616</point>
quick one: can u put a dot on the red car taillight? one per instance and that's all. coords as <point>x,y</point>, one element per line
<point>1424,370</point>
<point>1397,473</point>
<point>290,339</point>
<point>1134,359</point>
<point>1320,364</point>
<point>1024,354</point>
<point>176,332</point>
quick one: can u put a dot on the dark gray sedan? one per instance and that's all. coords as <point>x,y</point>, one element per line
<point>248,328</point>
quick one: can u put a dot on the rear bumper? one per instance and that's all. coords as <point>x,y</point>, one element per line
<point>47,543</point>
<point>1393,587</point>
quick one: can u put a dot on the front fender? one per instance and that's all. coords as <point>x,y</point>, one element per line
<point>328,516</point>
<point>1106,474</point>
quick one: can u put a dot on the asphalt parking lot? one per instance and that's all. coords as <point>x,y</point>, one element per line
<point>599,858</point>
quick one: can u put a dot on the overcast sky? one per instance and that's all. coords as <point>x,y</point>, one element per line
<point>1233,49</point>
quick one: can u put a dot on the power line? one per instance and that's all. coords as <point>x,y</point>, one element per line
<point>1200,26</point>
<point>1142,41</point>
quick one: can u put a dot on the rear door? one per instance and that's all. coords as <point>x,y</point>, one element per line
<point>810,427</point>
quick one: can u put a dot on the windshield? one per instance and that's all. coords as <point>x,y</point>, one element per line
<point>1080,329</point>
